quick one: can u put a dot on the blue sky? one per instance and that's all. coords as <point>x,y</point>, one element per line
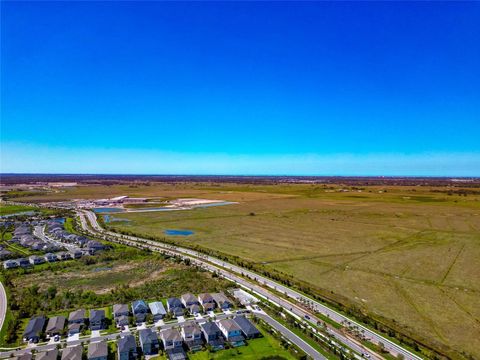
<point>371,88</point>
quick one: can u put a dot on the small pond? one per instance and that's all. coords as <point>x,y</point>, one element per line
<point>107,210</point>
<point>178,232</point>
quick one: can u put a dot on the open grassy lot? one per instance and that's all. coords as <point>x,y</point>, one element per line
<point>13,209</point>
<point>409,256</point>
<point>256,349</point>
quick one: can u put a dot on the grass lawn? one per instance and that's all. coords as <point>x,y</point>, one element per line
<point>254,350</point>
<point>13,209</point>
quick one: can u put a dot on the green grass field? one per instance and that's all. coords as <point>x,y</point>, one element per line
<point>254,350</point>
<point>13,209</point>
<point>409,256</point>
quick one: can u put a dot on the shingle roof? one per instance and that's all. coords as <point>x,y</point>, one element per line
<point>126,343</point>
<point>171,334</point>
<point>210,328</point>
<point>247,327</point>
<point>97,315</point>
<point>34,327</point>
<point>147,336</point>
<point>188,297</point>
<point>120,308</point>
<point>229,325</point>
<point>47,355</point>
<point>56,323</point>
<point>97,349</point>
<point>77,315</point>
<point>72,353</point>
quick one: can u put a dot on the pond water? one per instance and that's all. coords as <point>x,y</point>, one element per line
<point>110,218</point>
<point>178,232</point>
<point>107,210</point>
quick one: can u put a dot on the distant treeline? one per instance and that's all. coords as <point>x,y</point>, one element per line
<point>11,179</point>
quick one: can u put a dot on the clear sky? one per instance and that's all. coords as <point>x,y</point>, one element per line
<point>364,88</point>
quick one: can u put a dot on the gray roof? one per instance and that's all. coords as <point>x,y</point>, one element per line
<point>126,344</point>
<point>56,323</point>
<point>34,327</point>
<point>174,302</point>
<point>139,305</point>
<point>97,315</point>
<point>229,325</point>
<point>120,308</point>
<point>72,353</point>
<point>246,325</point>
<point>157,308</point>
<point>210,328</point>
<point>188,297</point>
<point>205,297</point>
<point>171,334</point>
<point>47,355</point>
<point>191,329</point>
<point>97,349</point>
<point>147,336</point>
<point>26,356</point>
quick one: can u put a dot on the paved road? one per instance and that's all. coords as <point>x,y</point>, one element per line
<point>3,305</point>
<point>219,266</point>
<point>39,231</point>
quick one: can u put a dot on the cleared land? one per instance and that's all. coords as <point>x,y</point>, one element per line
<point>407,255</point>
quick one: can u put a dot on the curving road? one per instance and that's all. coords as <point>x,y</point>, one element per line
<point>228,270</point>
<point>3,305</point>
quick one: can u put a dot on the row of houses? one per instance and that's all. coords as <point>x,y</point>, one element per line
<point>40,259</point>
<point>174,341</point>
<point>96,320</point>
<point>22,235</point>
<point>187,303</point>
<point>56,231</point>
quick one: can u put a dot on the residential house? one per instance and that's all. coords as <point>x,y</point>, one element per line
<point>171,339</point>
<point>47,355</point>
<point>76,254</point>
<point>140,310</point>
<point>72,353</point>
<point>4,254</point>
<point>189,299</point>
<point>49,257</point>
<point>77,317</point>
<point>175,306</point>
<point>148,341</point>
<point>207,302</point>
<point>127,348</point>
<point>192,335</point>
<point>248,329</point>
<point>36,260</point>
<point>97,351</point>
<point>34,329</point>
<point>74,329</point>
<point>172,343</point>
<point>213,335</point>
<point>194,309</point>
<point>158,310</point>
<point>22,262</point>
<point>222,301</point>
<point>97,319</point>
<point>120,314</point>
<point>10,264</point>
<point>63,256</point>
<point>55,326</point>
<point>232,332</point>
